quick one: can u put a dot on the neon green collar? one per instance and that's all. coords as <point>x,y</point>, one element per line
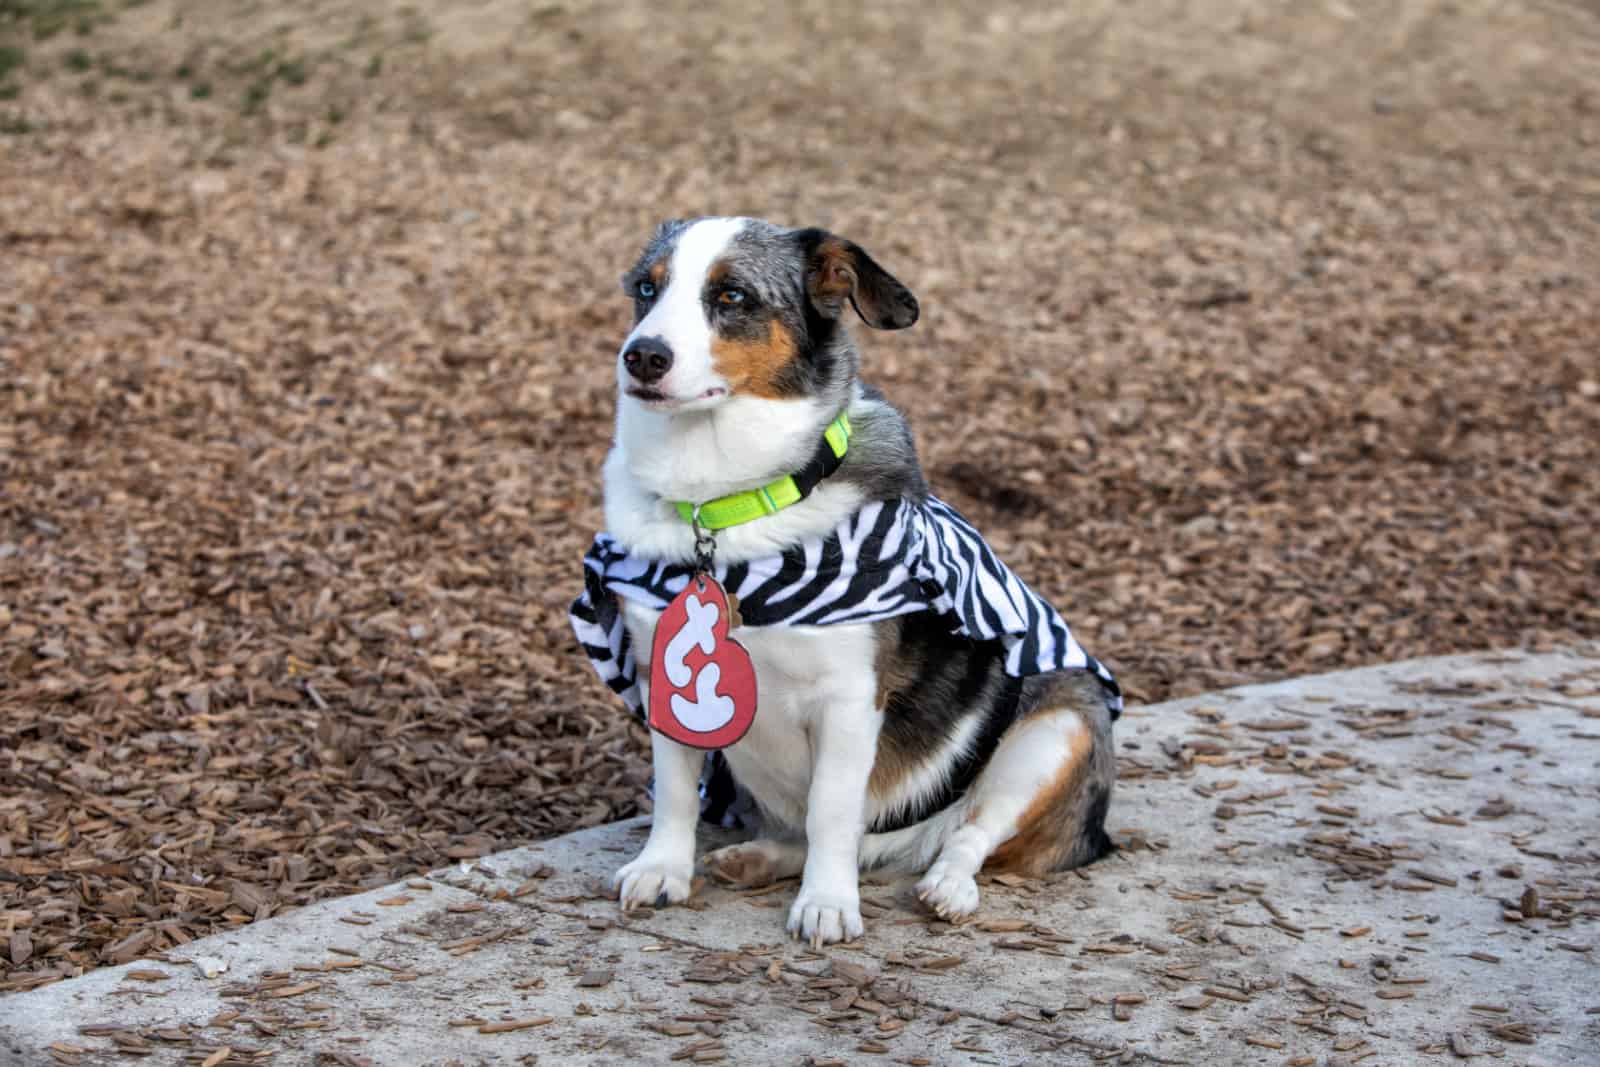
<point>739,508</point>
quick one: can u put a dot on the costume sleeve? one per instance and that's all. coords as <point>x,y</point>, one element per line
<point>597,620</point>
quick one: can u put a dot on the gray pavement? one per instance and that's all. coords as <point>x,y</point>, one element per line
<point>1395,865</point>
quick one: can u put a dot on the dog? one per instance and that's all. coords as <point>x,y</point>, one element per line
<point>927,739</point>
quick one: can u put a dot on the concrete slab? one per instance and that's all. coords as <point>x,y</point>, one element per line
<point>1393,865</point>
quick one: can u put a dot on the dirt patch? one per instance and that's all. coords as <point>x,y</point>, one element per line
<point>306,327</point>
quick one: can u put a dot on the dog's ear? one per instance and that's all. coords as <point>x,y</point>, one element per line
<point>837,270</point>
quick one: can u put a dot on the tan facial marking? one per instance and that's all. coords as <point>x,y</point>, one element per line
<point>755,368</point>
<point>658,273</point>
<point>1038,843</point>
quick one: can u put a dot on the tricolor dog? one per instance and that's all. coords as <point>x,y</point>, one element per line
<point>916,706</point>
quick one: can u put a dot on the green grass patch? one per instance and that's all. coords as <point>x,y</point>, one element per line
<point>11,58</point>
<point>112,69</point>
<point>46,18</point>
<point>79,61</point>
<point>265,71</point>
<point>256,94</point>
<point>262,63</point>
<point>292,71</point>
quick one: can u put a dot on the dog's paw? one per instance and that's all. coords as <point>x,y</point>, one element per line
<point>948,893</point>
<point>825,918</point>
<point>649,882</point>
<point>749,865</point>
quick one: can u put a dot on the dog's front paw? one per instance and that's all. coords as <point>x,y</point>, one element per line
<point>951,894</point>
<point>825,918</point>
<point>650,882</point>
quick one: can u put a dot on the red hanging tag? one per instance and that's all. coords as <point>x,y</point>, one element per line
<point>702,683</point>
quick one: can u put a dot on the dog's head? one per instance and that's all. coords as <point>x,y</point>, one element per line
<point>730,307</point>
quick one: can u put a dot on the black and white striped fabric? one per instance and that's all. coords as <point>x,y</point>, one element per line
<point>890,558</point>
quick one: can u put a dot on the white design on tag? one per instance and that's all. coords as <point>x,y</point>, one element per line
<point>696,633</point>
<point>708,711</point>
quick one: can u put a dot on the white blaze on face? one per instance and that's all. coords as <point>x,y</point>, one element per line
<point>679,317</point>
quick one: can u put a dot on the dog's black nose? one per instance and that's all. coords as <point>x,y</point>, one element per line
<point>648,359</point>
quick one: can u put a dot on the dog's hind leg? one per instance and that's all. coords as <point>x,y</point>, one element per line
<point>751,864</point>
<point>1038,806</point>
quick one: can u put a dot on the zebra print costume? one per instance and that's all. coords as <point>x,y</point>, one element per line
<point>888,559</point>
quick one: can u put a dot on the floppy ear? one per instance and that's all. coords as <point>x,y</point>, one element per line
<point>837,270</point>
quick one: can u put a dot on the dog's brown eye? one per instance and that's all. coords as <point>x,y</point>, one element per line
<point>731,297</point>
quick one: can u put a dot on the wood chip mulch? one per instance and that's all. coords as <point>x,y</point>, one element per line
<point>302,407</point>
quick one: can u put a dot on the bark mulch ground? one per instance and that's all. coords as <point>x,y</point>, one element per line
<point>1261,341</point>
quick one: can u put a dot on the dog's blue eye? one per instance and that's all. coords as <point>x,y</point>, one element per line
<point>646,290</point>
<point>731,296</point>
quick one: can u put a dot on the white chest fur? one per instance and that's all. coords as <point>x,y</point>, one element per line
<point>803,675</point>
<point>816,687</point>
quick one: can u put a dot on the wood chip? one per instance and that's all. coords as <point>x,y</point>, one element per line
<point>940,963</point>
<point>291,991</point>
<point>147,976</point>
<point>507,1026</point>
